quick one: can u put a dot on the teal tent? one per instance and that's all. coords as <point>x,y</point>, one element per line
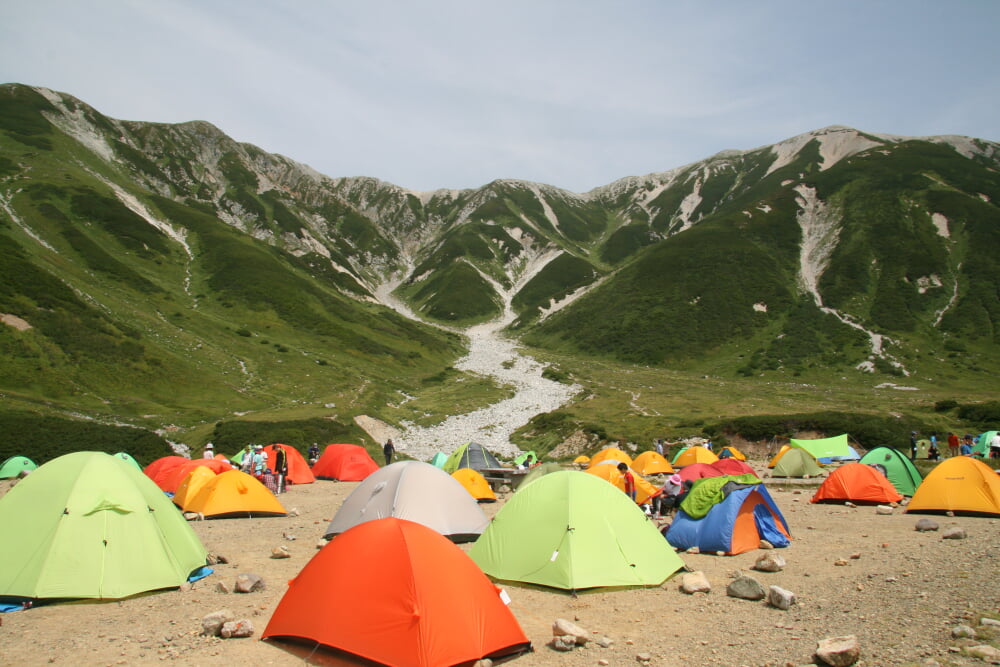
<point>89,525</point>
<point>572,530</point>
<point>897,468</point>
<point>982,446</point>
<point>15,465</point>
<point>821,448</point>
<point>439,459</point>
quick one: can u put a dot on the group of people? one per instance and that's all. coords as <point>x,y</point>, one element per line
<point>273,475</point>
<point>956,446</point>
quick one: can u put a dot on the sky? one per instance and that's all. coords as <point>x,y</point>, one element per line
<point>572,93</point>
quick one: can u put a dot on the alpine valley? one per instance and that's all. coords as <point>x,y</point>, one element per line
<point>171,279</point>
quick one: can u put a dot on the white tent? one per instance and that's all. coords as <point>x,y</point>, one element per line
<point>415,491</point>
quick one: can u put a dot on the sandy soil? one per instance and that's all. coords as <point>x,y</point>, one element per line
<point>900,592</point>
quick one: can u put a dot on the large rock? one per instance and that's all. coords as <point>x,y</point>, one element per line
<point>563,628</point>
<point>249,583</point>
<point>780,598</point>
<point>746,588</point>
<point>235,629</point>
<point>770,562</point>
<point>839,651</point>
<point>695,582</point>
<point>212,623</point>
<point>925,525</point>
<point>955,533</point>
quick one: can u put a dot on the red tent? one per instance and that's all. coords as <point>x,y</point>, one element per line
<point>347,463</point>
<point>160,465</point>
<point>859,483</point>
<point>298,469</point>
<point>398,593</point>
<point>170,478</point>
<point>732,466</point>
<point>694,471</point>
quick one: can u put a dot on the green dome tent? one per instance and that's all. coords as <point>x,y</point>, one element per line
<point>572,530</point>
<point>539,471</point>
<point>15,465</point>
<point>470,455</point>
<point>898,469</point>
<point>89,525</point>
<point>796,462</point>
<point>127,458</point>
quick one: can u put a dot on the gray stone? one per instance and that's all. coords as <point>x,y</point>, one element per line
<point>780,598</point>
<point>249,583</point>
<point>605,642</point>
<point>563,628</point>
<point>237,629</point>
<point>770,562</point>
<point>955,533</point>
<point>746,588</point>
<point>567,643</point>
<point>222,587</point>
<point>643,657</point>
<point>963,631</point>
<point>926,525</point>
<point>839,651</point>
<point>212,623</point>
<point>695,582</point>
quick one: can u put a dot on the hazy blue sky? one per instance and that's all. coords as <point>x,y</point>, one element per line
<point>453,94</point>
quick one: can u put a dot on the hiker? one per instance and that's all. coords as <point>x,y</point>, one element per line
<point>659,446</point>
<point>246,463</point>
<point>259,459</point>
<point>967,446</point>
<point>280,467</point>
<point>388,451</point>
<point>313,454</point>
<point>952,445</point>
<point>933,441</point>
<point>709,446</point>
<point>629,480</point>
<point>913,445</point>
<point>932,452</point>
<point>995,446</point>
<point>667,500</point>
<point>209,452</point>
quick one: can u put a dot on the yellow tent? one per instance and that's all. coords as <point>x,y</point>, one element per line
<point>611,453</point>
<point>733,453</point>
<point>475,484</point>
<point>651,463</point>
<point>191,485</point>
<point>609,472</point>
<point>235,493</point>
<point>582,459</point>
<point>695,455</point>
<point>960,484</point>
<point>774,461</point>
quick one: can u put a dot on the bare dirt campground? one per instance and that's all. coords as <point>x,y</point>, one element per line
<point>853,572</point>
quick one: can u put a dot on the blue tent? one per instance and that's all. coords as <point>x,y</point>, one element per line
<point>852,456</point>
<point>737,524</point>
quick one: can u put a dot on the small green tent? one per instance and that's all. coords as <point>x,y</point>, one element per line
<point>127,458</point>
<point>822,448</point>
<point>519,459</point>
<point>796,462</point>
<point>982,446</point>
<point>439,459</point>
<point>15,465</point>
<point>897,468</point>
<point>470,455</point>
<point>89,525</point>
<point>572,530</point>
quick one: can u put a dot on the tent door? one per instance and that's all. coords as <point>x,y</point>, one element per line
<point>766,527</point>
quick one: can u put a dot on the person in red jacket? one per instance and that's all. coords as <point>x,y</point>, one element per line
<point>629,480</point>
<point>953,444</point>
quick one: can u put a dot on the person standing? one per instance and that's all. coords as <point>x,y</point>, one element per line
<point>659,446</point>
<point>629,480</point>
<point>995,446</point>
<point>952,445</point>
<point>280,466</point>
<point>913,445</point>
<point>388,450</point>
<point>209,452</point>
<point>313,454</point>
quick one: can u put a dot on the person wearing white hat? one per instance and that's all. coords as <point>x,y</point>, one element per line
<point>209,452</point>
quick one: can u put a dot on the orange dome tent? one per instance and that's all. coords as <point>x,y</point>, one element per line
<point>399,580</point>
<point>234,493</point>
<point>610,473</point>
<point>610,453</point>
<point>192,484</point>
<point>475,484</point>
<point>161,465</point>
<point>170,478</point>
<point>652,463</point>
<point>960,484</point>
<point>346,463</point>
<point>298,470</point>
<point>858,483</point>
<point>695,455</point>
<point>582,460</point>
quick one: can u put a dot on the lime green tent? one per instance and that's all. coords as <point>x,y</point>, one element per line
<point>896,467</point>
<point>572,530</point>
<point>439,460</point>
<point>470,455</point>
<point>796,462</point>
<point>822,448</point>
<point>15,465</point>
<point>678,454</point>
<point>127,458</point>
<point>89,525</point>
<point>519,459</point>
<point>539,471</point>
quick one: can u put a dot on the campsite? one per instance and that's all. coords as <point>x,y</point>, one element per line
<point>852,570</point>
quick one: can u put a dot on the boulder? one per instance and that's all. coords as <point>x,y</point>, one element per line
<point>986,653</point>
<point>280,552</point>
<point>770,562</point>
<point>249,583</point>
<point>954,533</point>
<point>212,623</point>
<point>564,628</point>
<point>839,651</point>
<point>695,582</point>
<point>235,629</point>
<point>963,631</point>
<point>746,588</point>
<point>780,598</point>
<point>566,643</point>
